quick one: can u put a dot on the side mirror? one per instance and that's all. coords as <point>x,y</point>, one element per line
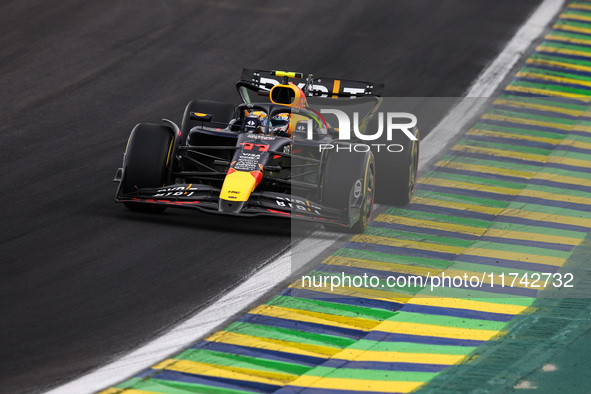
<point>201,116</point>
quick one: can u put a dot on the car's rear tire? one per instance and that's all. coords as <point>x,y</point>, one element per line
<point>147,162</point>
<point>396,174</point>
<point>220,113</point>
<point>342,171</point>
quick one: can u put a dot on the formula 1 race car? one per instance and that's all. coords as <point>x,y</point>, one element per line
<point>274,155</point>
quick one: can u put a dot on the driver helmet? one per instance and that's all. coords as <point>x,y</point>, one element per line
<point>279,125</point>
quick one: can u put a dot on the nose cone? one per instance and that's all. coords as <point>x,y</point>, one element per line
<point>231,206</point>
<point>238,185</point>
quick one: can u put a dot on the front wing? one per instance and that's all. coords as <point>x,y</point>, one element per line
<point>206,199</point>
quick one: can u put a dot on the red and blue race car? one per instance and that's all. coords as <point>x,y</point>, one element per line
<point>274,154</point>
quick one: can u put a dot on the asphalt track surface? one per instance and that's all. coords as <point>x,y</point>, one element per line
<point>82,279</point>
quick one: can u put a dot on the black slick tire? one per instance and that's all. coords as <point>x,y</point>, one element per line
<point>147,162</point>
<point>396,173</point>
<point>343,172</point>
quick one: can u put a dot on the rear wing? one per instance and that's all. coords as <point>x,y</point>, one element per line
<point>320,87</point>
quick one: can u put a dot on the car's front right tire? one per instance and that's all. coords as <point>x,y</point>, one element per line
<point>345,174</point>
<point>147,162</point>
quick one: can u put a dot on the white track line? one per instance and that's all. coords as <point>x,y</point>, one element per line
<point>202,323</point>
